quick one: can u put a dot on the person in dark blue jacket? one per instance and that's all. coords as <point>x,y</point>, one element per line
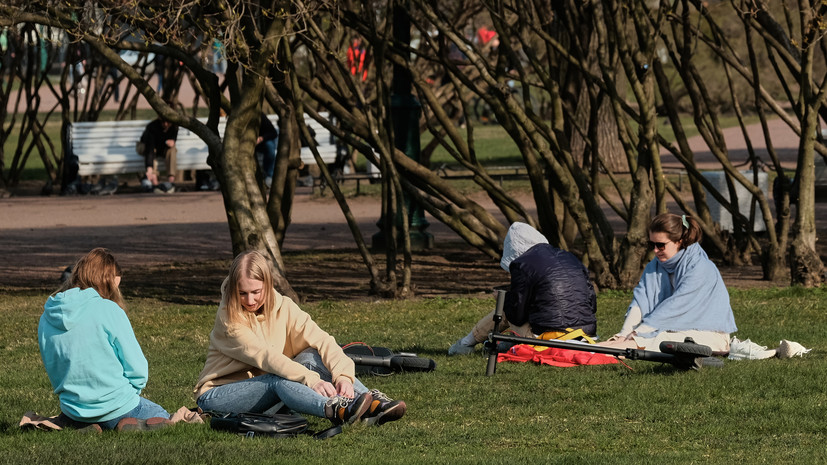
<point>550,292</point>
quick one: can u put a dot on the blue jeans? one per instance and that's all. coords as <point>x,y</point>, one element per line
<point>268,160</point>
<point>145,409</point>
<point>262,393</point>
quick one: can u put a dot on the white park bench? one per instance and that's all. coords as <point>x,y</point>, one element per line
<point>108,147</point>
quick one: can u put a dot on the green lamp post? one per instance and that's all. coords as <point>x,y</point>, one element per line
<point>405,113</point>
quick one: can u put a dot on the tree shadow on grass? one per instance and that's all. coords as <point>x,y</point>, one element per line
<point>445,271</point>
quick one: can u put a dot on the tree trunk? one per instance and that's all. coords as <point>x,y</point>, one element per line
<point>249,223</point>
<point>806,267</point>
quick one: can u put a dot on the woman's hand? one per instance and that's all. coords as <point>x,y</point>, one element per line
<point>344,387</point>
<point>324,388</point>
<point>621,337</point>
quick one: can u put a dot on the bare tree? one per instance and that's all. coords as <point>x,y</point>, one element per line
<point>170,30</point>
<point>562,79</point>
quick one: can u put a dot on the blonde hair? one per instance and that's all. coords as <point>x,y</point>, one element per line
<point>251,265</point>
<point>98,270</point>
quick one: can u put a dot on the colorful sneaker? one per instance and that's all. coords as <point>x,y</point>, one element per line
<point>383,409</point>
<point>341,410</point>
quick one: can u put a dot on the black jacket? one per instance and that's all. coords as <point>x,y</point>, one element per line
<point>155,138</point>
<point>550,289</point>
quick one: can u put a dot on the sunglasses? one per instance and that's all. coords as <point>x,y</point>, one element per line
<point>658,245</point>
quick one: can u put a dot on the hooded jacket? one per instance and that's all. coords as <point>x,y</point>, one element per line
<point>93,360</point>
<point>550,288</point>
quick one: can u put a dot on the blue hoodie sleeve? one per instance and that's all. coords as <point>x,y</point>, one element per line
<point>128,351</point>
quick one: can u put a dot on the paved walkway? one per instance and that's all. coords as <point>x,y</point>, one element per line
<point>784,140</point>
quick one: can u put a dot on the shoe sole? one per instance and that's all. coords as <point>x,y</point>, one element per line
<point>392,414</point>
<point>136,424</point>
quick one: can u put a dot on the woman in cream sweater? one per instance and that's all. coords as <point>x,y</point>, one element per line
<point>265,350</point>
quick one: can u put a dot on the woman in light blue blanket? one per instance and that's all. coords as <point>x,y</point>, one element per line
<point>681,293</point>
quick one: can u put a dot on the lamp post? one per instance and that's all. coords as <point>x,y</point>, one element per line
<point>405,113</point>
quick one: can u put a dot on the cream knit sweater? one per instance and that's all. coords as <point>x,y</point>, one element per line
<point>267,345</point>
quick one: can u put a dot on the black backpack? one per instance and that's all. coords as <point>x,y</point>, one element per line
<point>279,425</point>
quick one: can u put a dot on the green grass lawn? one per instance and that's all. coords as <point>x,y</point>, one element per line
<point>769,411</point>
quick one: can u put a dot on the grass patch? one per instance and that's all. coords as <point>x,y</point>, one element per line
<point>767,411</point>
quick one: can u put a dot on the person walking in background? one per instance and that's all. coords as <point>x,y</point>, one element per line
<point>358,60</point>
<point>94,362</point>
<point>219,62</point>
<point>265,350</point>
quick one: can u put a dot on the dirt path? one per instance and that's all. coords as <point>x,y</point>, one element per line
<point>178,246</point>
<point>160,234</point>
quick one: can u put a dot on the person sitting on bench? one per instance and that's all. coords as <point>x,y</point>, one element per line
<point>266,141</point>
<point>681,293</point>
<point>158,140</point>
<point>550,292</point>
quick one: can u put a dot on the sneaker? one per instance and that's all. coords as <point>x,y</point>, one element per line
<point>306,181</point>
<point>109,188</point>
<point>164,188</point>
<point>341,410</point>
<point>460,349</point>
<point>146,185</point>
<point>383,409</point>
<point>93,428</point>
<point>137,424</point>
<point>748,350</point>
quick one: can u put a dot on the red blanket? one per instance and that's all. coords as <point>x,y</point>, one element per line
<point>554,356</point>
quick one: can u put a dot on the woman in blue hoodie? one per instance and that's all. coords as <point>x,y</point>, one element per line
<point>93,360</point>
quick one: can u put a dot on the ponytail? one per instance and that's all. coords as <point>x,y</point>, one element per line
<point>679,228</point>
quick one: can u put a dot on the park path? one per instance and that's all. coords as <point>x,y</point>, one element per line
<point>39,236</point>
